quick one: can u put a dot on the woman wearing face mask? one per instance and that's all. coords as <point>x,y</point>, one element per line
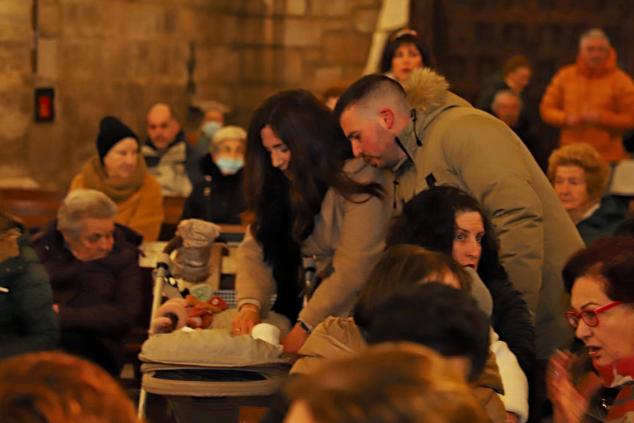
<point>599,281</point>
<point>403,53</point>
<point>448,220</point>
<point>311,199</point>
<point>219,197</point>
<point>118,170</point>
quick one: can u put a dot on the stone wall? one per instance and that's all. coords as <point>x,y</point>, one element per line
<point>120,56</point>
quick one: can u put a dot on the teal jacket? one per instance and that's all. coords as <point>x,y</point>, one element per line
<point>27,320</point>
<point>603,221</point>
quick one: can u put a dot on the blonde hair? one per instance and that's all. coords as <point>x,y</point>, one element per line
<point>583,155</point>
<point>388,383</point>
<point>59,388</point>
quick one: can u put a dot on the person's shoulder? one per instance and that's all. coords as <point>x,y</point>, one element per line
<point>359,171</point>
<point>567,71</point>
<point>622,76</point>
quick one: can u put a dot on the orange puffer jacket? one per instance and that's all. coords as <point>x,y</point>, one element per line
<point>608,91</point>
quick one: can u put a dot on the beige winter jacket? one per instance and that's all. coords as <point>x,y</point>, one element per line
<point>348,238</point>
<point>472,150</point>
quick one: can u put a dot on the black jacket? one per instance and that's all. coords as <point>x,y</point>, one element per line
<point>27,320</point>
<point>100,298</point>
<point>604,221</point>
<point>218,198</point>
<point>512,322</point>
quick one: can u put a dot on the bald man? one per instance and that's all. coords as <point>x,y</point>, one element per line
<point>168,157</point>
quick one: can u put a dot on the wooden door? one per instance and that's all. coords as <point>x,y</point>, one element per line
<point>470,39</point>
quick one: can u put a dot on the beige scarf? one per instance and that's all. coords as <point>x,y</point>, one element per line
<point>118,189</point>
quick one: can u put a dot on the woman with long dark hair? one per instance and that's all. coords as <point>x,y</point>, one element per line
<point>316,208</point>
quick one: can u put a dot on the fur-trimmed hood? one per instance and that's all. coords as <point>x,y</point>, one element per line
<point>426,90</point>
<point>428,95</point>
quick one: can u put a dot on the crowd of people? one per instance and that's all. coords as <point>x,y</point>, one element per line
<point>449,273</point>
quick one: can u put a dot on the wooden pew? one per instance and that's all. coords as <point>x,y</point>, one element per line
<point>172,209</point>
<point>33,207</point>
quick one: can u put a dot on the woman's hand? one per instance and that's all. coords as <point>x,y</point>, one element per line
<point>569,404</point>
<point>295,339</point>
<point>248,316</point>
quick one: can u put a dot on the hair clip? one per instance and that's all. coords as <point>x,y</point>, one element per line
<point>402,32</point>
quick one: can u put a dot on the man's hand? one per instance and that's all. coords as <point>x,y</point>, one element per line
<point>295,339</point>
<point>573,119</point>
<point>248,316</point>
<point>590,116</point>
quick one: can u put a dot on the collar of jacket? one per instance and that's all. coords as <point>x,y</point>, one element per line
<point>209,167</point>
<point>416,127</point>
<point>180,136</point>
<point>53,241</point>
<point>428,94</point>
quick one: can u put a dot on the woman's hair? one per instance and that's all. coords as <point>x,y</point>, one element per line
<point>437,316</point>
<point>52,387</point>
<point>403,266</point>
<point>285,210</point>
<point>429,220</point>
<point>397,39</point>
<point>609,259</point>
<point>583,155</point>
<point>514,62</point>
<point>388,383</point>
<point>82,203</point>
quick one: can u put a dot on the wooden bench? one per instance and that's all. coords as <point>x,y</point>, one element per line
<point>33,207</point>
<point>172,210</point>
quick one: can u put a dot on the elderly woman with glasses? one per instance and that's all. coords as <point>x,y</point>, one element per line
<point>600,280</point>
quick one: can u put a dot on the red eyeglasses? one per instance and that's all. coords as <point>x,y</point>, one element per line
<point>589,317</point>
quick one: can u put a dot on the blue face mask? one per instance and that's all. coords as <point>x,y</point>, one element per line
<point>229,166</point>
<point>210,128</point>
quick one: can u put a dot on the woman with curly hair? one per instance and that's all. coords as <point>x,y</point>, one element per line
<point>580,178</point>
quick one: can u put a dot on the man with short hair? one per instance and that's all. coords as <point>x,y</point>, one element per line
<point>168,156</point>
<point>431,136</point>
<point>592,100</point>
<point>508,107</point>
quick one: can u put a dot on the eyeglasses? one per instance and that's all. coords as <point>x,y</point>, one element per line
<point>589,317</point>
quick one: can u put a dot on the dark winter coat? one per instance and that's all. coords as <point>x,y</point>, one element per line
<point>100,298</point>
<point>218,198</point>
<point>27,320</point>
<point>512,322</point>
<point>603,221</point>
